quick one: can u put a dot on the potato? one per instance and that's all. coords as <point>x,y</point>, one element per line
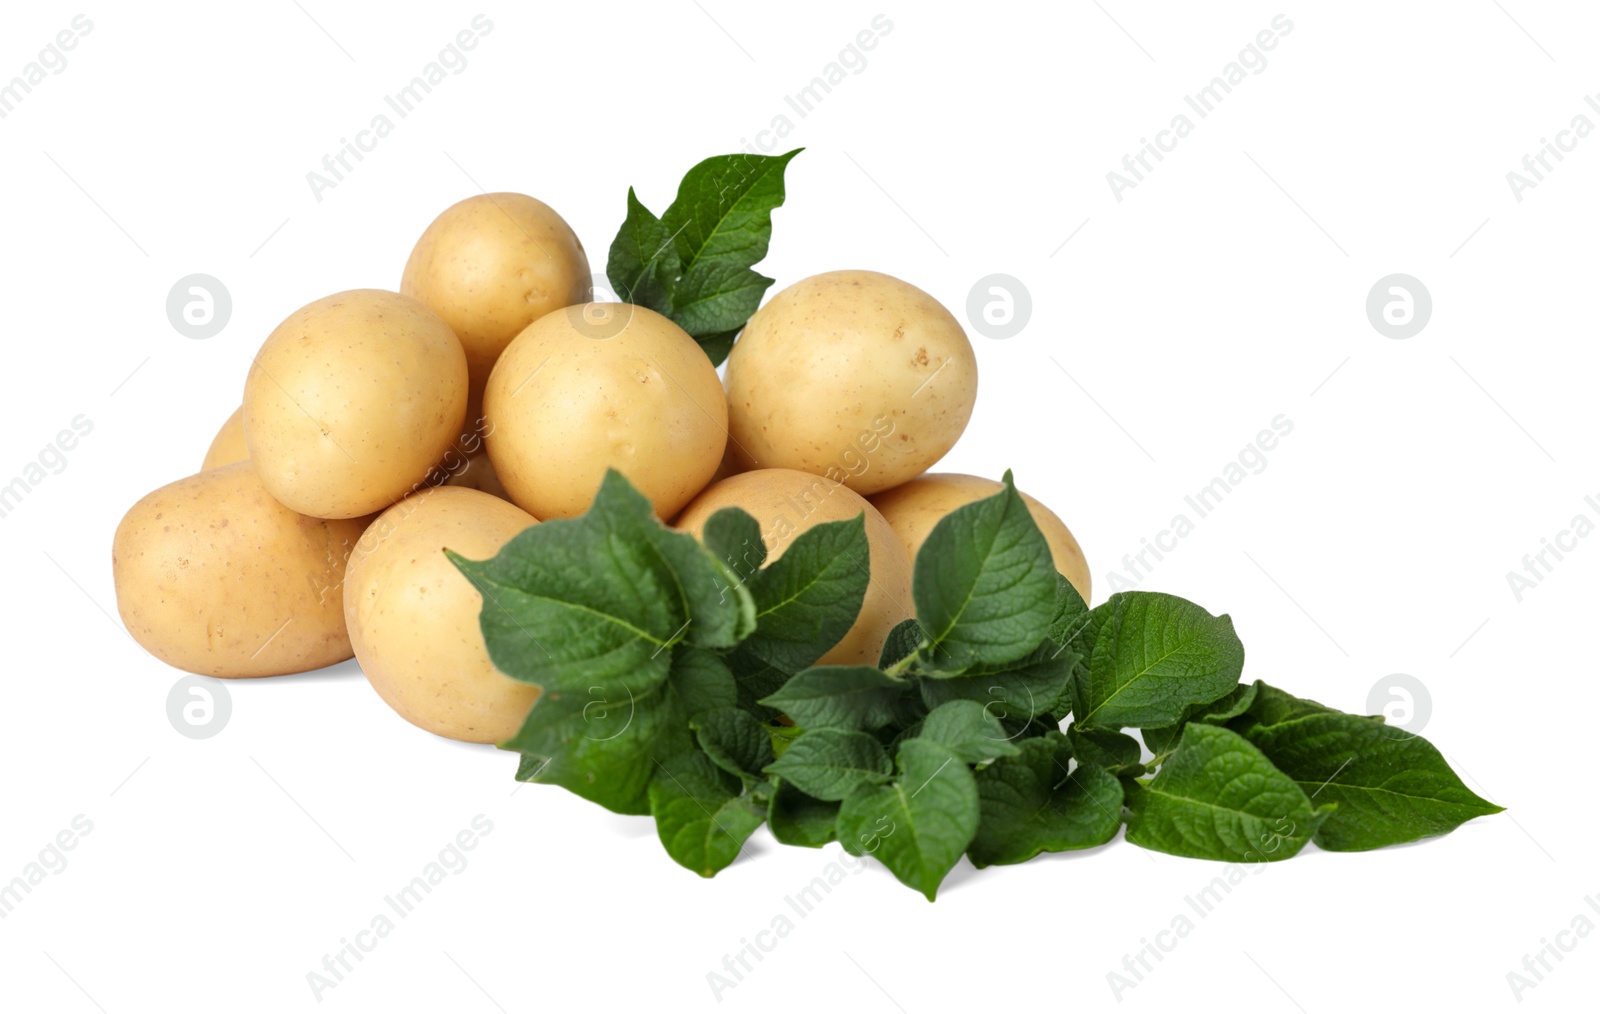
<point>413,617</point>
<point>786,502</point>
<point>853,375</point>
<point>476,472</point>
<point>604,385</point>
<point>228,445</point>
<point>352,400</point>
<point>215,576</point>
<point>914,508</point>
<point>490,266</point>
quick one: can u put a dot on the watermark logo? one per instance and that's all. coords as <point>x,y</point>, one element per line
<point>452,60</point>
<point>1536,566</point>
<point>1399,306</point>
<point>600,321</point>
<point>199,306</point>
<point>199,707</point>
<point>51,860</point>
<point>1402,700</point>
<point>999,306</point>
<point>51,460</point>
<point>52,60</point>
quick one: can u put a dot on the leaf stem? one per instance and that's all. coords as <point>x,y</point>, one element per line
<point>899,669</point>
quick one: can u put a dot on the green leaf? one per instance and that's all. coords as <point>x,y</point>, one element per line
<point>1218,797</point>
<point>600,744</point>
<point>1116,751</point>
<point>839,697</point>
<point>809,597</point>
<point>643,262</point>
<point>1073,625</point>
<point>1154,656</point>
<point>703,816</point>
<point>919,825</point>
<point>721,223</point>
<point>832,763</point>
<point>1390,786</point>
<point>781,736</point>
<point>902,642</point>
<point>1270,706</point>
<point>984,584</point>
<point>602,599</point>
<point>1014,692</point>
<point>734,740</point>
<point>1030,804</point>
<point>734,537</point>
<point>702,681</point>
<point>1218,712</point>
<point>798,819</point>
<point>969,730</point>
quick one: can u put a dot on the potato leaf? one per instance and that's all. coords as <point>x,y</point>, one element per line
<point>643,262</point>
<point>919,825</point>
<point>1219,712</point>
<point>703,815</point>
<point>1155,655</point>
<point>984,584</point>
<point>839,697</point>
<point>603,746</point>
<point>734,740</point>
<point>1219,797</point>
<point>1014,692</point>
<point>832,763</point>
<point>1390,786</point>
<point>1030,804</point>
<point>969,730</point>
<point>798,819</point>
<point>695,263</point>
<point>601,600</point>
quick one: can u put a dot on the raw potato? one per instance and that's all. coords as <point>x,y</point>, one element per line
<point>215,576</point>
<point>853,375</point>
<point>604,385</point>
<point>786,502</point>
<point>914,508</point>
<point>413,617</point>
<point>352,400</point>
<point>490,266</point>
<point>477,472</point>
<point>228,445</point>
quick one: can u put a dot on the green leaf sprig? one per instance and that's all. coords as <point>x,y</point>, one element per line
<point>695,263</point>
<point>680,680</point>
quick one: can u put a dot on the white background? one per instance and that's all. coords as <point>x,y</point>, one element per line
<point>1227,288</point>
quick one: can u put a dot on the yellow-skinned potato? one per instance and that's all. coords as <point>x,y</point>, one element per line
<point>786,502</point>
<point>853,375</point>
<point>597,386</point>
<point>413,617</point>
<point>476,472</point>
<point>228,445</point>
<point>215,576</point>
<point>490,266</point>
<point>912,509</point>
<point>352,400</point>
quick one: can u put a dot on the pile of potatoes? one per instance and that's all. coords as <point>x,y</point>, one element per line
<point>378,428</point>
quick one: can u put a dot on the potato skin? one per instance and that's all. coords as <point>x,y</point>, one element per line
<point>413,617</point>
<point>215,576</point>
<point>352,400</point>
<point>850,374</point>
<point>490,266</point>
<point>913,508</point>
<point>477,472</point>
<point>228,445</point>
<point>786,502</point>
<point>597,386</point>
